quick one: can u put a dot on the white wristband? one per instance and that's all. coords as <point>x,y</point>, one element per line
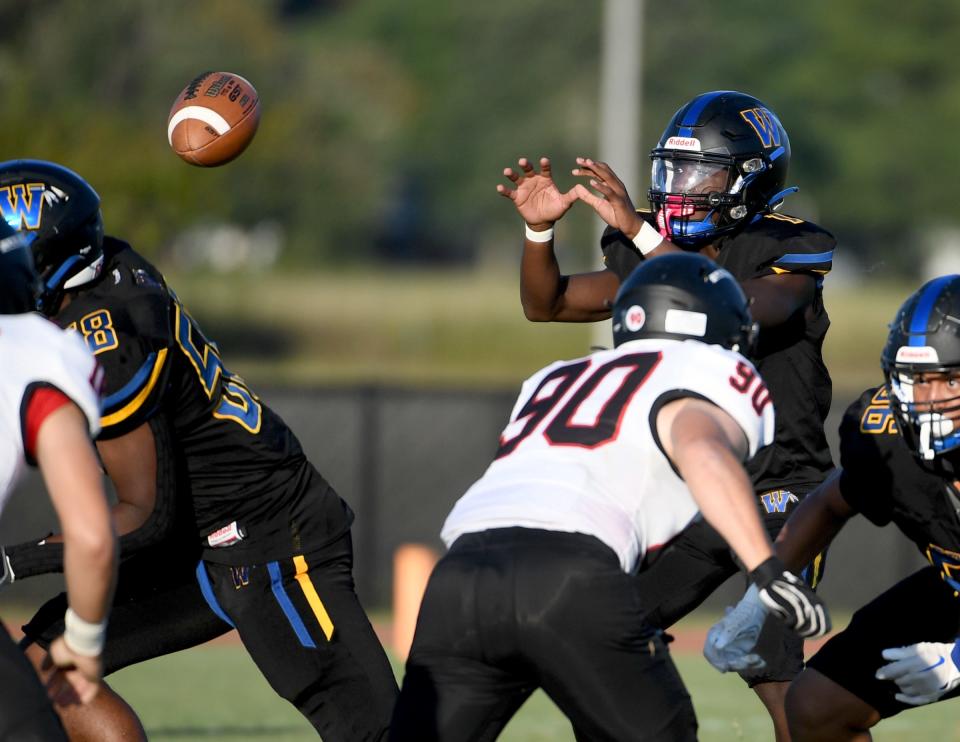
<point>647,239</point>
<point>82,636</point>
<point>544,236</point>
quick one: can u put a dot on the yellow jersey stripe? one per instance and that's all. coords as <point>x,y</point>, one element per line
<point>134,404</point>
<point>310,593</point>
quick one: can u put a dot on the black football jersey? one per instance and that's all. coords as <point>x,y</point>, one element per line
<point>789,357</point>
<point>883,480</point>
<point>254,494</point>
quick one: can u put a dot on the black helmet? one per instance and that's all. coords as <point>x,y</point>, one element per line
<point>60,213</point>
<point>925,338</point>
<point>721,160</point>
<point>19,283</point>
<point>683,296</point>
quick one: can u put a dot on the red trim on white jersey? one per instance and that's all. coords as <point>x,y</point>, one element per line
<point>43,401</point>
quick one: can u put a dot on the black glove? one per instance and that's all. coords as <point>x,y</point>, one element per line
<point>791,599</point>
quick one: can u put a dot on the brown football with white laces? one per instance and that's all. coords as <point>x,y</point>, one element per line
<point>213,119</point>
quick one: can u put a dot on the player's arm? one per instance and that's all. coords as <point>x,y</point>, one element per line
<point>145,512</point>
<point>72,476</point>
<point>707,447</point>
<point>814,523</point>
<point>546,294</point>
<point>131,463</point>
<point>775,299</point>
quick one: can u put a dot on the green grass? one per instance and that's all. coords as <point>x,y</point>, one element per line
<point>215,693</point>
<point>444,327</point>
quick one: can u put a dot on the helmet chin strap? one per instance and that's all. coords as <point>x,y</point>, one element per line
<point>932,423</point>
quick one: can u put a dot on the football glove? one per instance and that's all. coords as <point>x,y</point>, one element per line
<point>730,640</point>
<point>790,599</point>
<point>6,569</point>
<point>923,672</point>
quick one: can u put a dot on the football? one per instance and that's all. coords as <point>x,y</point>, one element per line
<point>213,119</point>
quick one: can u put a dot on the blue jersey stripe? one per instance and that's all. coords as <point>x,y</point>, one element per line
<point>207,589</point>
<point>921,313</point>
<point>276,584</point>
<point>693,112</point>
<point>799,257</point>
<point>133,386</point>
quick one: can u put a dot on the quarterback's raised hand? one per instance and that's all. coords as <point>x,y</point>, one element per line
<point>790,599</point>
<point>730,641</point>
<point>613,205</point>
<point>538,200</point>
<point>923,672</point>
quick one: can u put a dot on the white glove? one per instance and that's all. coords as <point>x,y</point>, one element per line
<point>923,671</point>
<point>6,570</point>
<point>731,639</point>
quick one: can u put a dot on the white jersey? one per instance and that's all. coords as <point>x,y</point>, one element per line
<point>35,353</point>
<point>581,451</point>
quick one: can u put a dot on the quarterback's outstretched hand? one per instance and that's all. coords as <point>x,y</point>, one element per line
<point>731,640</point>
<point>790,599</point>
<point>923,672</point>
<point>613,205</point>
<point>536,196</point>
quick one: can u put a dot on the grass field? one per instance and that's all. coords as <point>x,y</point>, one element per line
<point>451,327</point>
<point>215,694</point>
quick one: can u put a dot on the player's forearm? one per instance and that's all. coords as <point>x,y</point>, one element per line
<point>89,565</point>
<point>812,526</point>
<point>723,492</point>
<point>541,283</point>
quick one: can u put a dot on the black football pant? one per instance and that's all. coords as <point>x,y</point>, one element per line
<point>303,626</point>
<point>157,609</point>
<point>343,685</point>
<point>25,712</point>
<point>919,608</point>
<point>698,561</point>
<point>509,610</point>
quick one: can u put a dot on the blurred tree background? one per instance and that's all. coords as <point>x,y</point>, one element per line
<point>386,124</point>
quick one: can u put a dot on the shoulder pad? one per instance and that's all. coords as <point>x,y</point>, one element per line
<point>778,243</point>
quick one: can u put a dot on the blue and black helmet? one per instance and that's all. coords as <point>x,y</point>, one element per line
<point>722,160</point>
<point>59,213</point>
<point>924,338</point>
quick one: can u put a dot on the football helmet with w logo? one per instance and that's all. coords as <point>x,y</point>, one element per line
<point>721,160</point>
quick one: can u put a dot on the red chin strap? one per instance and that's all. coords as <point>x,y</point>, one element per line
<point>674,206</point>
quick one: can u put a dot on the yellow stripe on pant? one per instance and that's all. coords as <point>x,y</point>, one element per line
<point>310,593</point>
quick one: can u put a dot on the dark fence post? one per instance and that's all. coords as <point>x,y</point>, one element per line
<point>368,476</point>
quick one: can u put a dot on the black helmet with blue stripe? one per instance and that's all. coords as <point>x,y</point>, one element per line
<point>721,161</point>
<point>925,339</point>
<point>59,213</point>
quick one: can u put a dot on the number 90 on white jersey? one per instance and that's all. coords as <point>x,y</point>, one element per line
<point>581,453</point>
